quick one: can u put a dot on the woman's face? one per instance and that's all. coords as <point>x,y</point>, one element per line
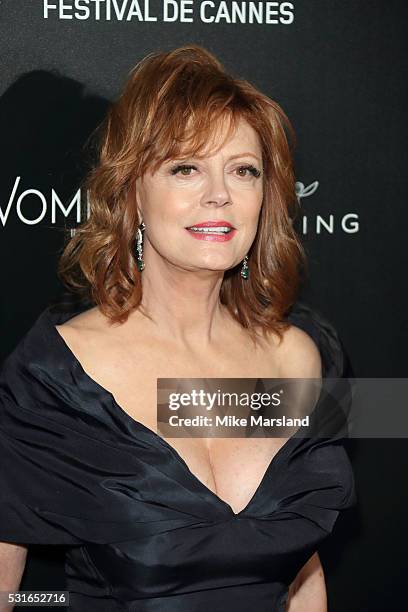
<point>224,187</point>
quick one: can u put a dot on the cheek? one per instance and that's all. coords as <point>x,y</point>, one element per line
<point>248,200</point>
<point>168,209</point>
<point>162,204</point>
<point>251,188</point>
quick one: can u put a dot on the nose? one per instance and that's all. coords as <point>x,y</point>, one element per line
<point>216,190</point>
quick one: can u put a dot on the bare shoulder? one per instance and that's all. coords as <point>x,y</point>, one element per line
<point>91,318</point>
<point>84,326</point>
<point>299,356</point>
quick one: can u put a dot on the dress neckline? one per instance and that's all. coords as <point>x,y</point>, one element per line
<point>60,317</point>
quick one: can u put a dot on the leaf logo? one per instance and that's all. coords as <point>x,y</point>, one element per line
<point>304,192</point>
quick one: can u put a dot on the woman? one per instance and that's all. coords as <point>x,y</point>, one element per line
<point>188,266</point>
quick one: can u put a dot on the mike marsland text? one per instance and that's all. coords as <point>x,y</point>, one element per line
<point>255,420</point>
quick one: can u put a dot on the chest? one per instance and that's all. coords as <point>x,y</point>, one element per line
<point>232,468</point>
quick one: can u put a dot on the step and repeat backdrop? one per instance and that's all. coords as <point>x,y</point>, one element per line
<point>337,67</point>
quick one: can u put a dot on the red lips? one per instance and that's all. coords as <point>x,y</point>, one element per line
<point>218,223</point>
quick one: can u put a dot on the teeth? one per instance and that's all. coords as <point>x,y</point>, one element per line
<point>216,230</point>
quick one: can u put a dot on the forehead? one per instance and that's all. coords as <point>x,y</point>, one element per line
<point>227,138</point>
<point>243,138</point>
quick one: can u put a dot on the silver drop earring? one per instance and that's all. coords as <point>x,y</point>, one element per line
<point>139,246</point>
<point>245,268</point>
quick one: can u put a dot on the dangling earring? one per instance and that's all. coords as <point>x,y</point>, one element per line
<point>245,268</point>
<point>139,247</point>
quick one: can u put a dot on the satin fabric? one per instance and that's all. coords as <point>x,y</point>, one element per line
<point>142,532</point>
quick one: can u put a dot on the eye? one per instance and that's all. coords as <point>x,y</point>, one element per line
<point>249,169</point>
<point>183,169</point>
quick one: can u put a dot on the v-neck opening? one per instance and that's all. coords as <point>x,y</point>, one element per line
<point>157,437</point>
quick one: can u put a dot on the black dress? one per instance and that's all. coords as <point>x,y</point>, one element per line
<point>143,533</point>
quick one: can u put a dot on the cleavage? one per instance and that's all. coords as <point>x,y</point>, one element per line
<point>232,469</point>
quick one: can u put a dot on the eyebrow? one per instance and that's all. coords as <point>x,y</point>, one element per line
<point>244,154</point>
<point>231,157</point>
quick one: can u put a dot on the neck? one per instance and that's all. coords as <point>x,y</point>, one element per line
<point>183,304</point>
